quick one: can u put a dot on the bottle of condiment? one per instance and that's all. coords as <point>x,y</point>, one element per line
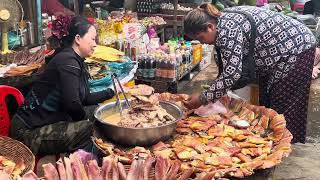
<point>30,32</point>
<point>158,69</point>
<point>152,74</point>
<point>165,68</point>
<point>143,67</point>
<point>98,13</point>
<point>146,67</point>
<point>139,70</point>
<point>171,70</point>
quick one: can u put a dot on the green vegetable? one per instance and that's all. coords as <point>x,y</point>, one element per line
<point>220,6</point>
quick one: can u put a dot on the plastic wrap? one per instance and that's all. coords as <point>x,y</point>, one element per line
<point>122,69</point>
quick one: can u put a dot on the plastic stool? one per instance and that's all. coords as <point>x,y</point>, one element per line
<point>4,114</point>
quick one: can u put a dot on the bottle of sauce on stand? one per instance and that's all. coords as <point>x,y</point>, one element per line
<point>171,69</point>
<point>158,69</point>
<point>148,67</point>
<point>139,70</point>
<point>152,71</point>
<point>143,67</point>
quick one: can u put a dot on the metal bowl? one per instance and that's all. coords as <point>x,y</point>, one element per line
<point>137,136</point>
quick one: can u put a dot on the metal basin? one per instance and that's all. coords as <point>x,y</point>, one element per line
<point>137,136</point>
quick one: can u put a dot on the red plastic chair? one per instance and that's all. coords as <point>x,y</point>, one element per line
<point>4,114</point>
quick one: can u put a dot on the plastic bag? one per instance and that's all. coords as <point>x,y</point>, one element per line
<point>122,69</point>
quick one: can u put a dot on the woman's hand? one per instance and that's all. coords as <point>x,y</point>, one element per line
<point>193,102</point>
<point>315,72</point>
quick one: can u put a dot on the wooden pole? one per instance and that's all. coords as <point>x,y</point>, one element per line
<point>175,28</point>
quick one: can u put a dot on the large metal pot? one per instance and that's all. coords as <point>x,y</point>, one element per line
<point>136,136</point>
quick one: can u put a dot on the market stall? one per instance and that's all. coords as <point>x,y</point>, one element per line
<point>230,138</point>
<point>155,136</point>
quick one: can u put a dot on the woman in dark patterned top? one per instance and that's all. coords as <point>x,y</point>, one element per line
<point>55,117</point>
<point>283,58</point>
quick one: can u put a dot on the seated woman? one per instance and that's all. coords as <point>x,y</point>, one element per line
<point>53,118</point>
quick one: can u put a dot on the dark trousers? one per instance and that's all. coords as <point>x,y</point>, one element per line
<point>290,95</point>
<point>60,137</point>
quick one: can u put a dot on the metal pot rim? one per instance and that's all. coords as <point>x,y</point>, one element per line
<point>106,123</point>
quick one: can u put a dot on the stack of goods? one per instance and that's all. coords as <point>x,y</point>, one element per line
<point>103,53</point>
<point>114,32</point>
<point>285,10</point>
<point>124,71</point>
<point>167,8</point>
<point>21,63</point>
<point>152,21</point>
<point>103,63</point>
<point>169,62</point>
<point>83,166</point>
<point>148,6</point>
<point>215,147</point>
<point>97,70</point>
<point>10,169</point>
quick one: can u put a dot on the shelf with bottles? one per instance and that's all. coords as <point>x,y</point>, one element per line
<point>169,62</point>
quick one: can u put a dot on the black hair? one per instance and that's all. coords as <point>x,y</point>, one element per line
<point>78,25</point>
<point>197,20</point>
<point>53,42</point>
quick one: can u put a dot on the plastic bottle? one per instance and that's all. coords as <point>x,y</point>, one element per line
<point>158,69</point>
<point>148,67</point>
<point>139,70</point>
<point>153,69</point>
<point>165,69</point>
<point>171,70</point>
<point>143,67</point>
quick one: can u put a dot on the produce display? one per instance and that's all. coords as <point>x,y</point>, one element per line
<point>152,21</point>
<point>24,62</point>
<point>107,54</point>
<point>170,61</point>
<point>14,70</point>
<point>170,6</point>
<point>10,169</point>
<point>215,147</point>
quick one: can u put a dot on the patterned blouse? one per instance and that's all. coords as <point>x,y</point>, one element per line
<point>279,39</point>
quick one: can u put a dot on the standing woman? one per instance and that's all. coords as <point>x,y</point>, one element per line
<point>53,118</point>
<point>280,58</point>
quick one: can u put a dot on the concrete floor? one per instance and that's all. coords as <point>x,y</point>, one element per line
<point>304,162</point>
